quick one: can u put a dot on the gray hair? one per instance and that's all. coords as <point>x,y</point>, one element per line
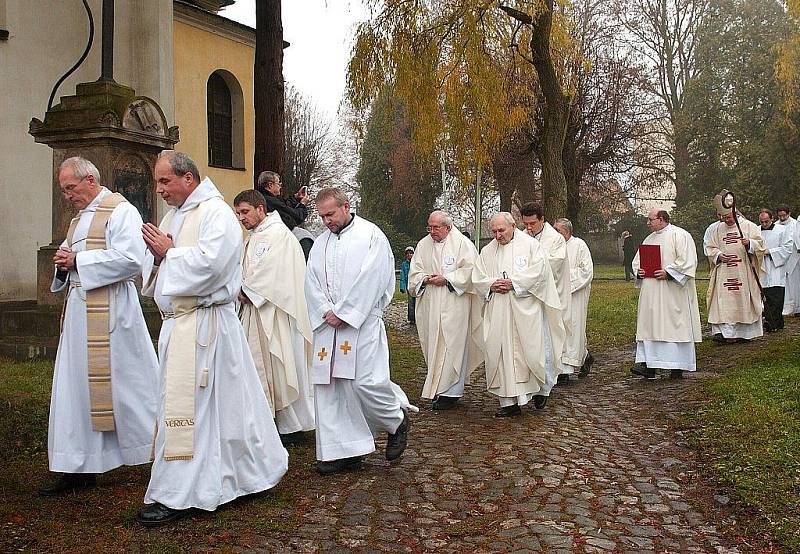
<point>81,168</point>
<point>268,177</point>
<point>506,216</point>
<point>565,223</point>
<point>181,163</point>
<point>332,192</point>
<point>444,217</point>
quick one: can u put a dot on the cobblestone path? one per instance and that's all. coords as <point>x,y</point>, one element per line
<point>599,470</point>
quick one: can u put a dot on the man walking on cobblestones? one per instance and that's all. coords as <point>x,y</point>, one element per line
<point>349,282</point>
<point>668,317</point>
<point>448,311</point>
<point>523,330</point>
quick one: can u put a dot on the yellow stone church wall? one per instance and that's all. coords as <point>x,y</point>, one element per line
<point>197,54</point>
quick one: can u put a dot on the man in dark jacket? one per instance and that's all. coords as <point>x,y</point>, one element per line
<point>292,210</point>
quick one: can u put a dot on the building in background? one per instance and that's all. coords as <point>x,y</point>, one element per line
<point>197,65</point>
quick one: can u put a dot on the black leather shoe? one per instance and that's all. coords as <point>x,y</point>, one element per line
<point>396,442</point>
<point>540,401</point>
<point>444,402</point>
<point>642,370</point>
<point>337,466</point>
<point>292,438</point>
<point>157,514</point>
<point>676,374</point>
<point>563,379</point>
<point>70,482</point>
<point>718,338</point>
<point>587,365</point>
<point>508,411</point>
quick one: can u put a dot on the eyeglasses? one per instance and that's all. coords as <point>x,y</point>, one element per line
<point>653,218</point>
<point>72,186</point>
<point>436,227</point>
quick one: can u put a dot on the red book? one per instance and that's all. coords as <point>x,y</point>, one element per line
<point>649,259</point>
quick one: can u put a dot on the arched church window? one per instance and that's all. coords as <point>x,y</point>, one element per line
<point>220,122</point>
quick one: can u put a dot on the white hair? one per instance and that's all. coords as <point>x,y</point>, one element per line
<point>506,216</point>
<point>81,168</point>
<point>443,217</point>
<point>565,223</point>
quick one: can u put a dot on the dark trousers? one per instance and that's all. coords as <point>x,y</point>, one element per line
<point>412,302</point>
<point>773,307</point>
<point>628,269</point>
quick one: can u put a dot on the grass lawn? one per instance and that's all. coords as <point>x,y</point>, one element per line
<point>749,432</point>
<point>749,435</point>
<point>615,271</point>
<point>102,520</point>
<point>611,321</point>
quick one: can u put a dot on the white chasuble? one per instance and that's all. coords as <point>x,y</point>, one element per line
<point>448,318</point>
<point>555,248</point>
<point>734,297</point>
<point>276,321</point>
<point>235,448</point>
<point>791,302</point>
<point>581,273</point>
<point>72,444</point>
<point>778,249</point>
<point>523,330</point>
<point>668,315</point>
<point>352,275</point>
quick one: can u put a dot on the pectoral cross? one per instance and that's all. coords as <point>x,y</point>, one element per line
<point>322,354</point>
<point>346,347</point>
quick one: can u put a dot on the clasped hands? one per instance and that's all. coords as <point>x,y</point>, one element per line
<point>435,280</point>
<point>333,321</point>
<point>64,259</point>
<point>157,242</point>
<point>502,286</point>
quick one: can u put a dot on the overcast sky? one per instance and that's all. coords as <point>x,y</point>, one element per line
<point>321,35</point>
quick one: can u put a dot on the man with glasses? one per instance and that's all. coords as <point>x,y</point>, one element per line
<point>105,384</point>
<point>668,316</point>
<point>293,210</point>
<point>447,313</point>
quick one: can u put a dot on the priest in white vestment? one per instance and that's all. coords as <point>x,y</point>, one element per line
<point>734,292</point>
<point>778,242</point>
<point>791,301</point>
<point>668,316</point>
<point>86,437</point>
<point>555,248</point>
<point>523,329</point>
<point>274,314</point>
<point>576,355</point>
<point>215,437</point>
<point>448,313</point>
<point>349,282</point>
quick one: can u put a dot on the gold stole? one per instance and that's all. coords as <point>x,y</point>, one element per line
<point>179,408</point>
<point>98,338</point>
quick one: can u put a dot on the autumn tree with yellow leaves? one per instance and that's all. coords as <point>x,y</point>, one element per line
<point>463,70</point>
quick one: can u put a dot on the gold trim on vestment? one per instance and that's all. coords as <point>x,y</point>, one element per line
<point>98,336</point>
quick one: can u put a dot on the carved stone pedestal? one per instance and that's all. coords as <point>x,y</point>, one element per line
<point>122,134</point>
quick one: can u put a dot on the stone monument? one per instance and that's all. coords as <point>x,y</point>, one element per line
<point>120,132</point>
